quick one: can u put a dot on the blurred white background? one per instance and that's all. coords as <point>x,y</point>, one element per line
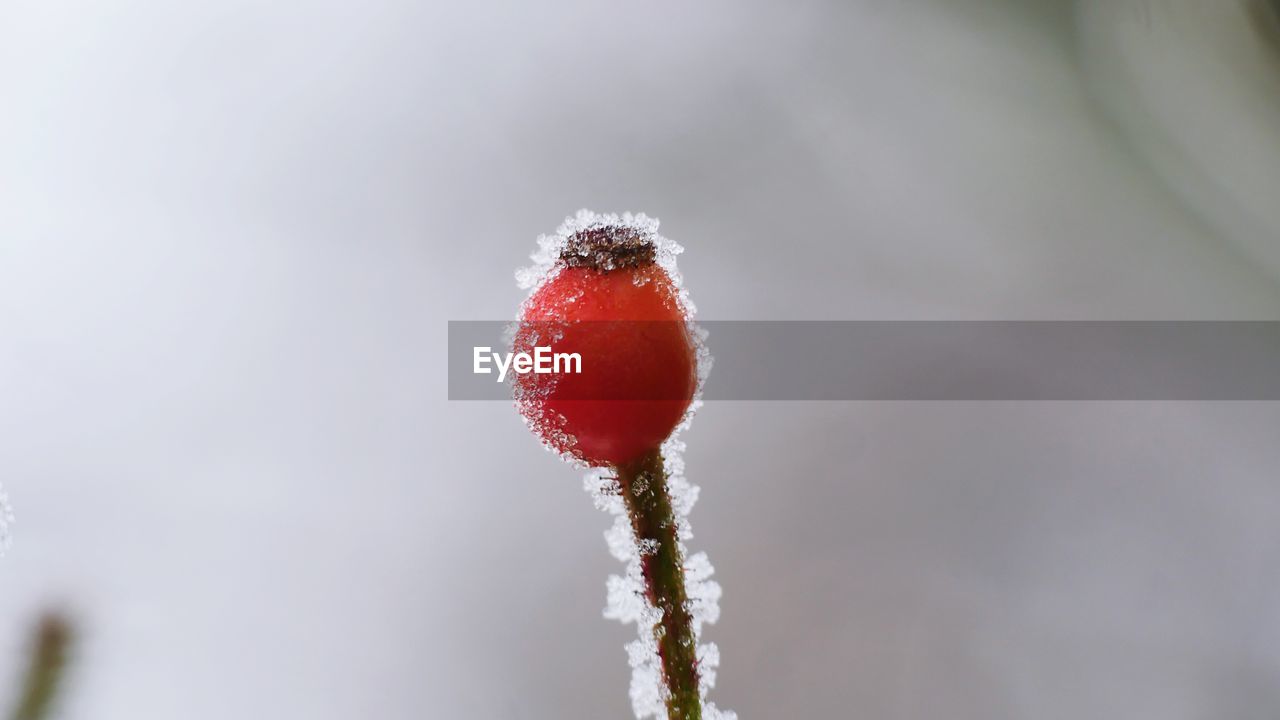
<point>231,235</point>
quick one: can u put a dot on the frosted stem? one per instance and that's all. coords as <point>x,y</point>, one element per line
<point>644,490</point>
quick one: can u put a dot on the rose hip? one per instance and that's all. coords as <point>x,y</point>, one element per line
<point>607,296</point>
<point>609,301</point>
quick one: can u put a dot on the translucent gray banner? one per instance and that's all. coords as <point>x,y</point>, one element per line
<point>979,360</point>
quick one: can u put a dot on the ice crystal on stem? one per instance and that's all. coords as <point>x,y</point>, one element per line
<point>627,600</point>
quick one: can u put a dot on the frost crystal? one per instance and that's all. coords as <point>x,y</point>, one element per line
<point>627,601</point>
<point>550,247</point>
<point>6,519</point>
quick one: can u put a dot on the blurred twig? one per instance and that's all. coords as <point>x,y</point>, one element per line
<point>1266,16</point>
<point>49,652</point>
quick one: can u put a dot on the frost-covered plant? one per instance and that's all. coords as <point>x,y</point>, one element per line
<point>606,287</point>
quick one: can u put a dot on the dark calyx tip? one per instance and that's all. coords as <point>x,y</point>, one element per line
<point>608,248</point>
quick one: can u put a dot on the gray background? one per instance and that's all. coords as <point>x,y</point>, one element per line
<point>231,235</point>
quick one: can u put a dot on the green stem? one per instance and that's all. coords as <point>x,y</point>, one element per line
<point>44,672</point>
<point>644,489</point>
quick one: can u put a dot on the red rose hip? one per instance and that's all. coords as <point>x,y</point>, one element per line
<point>608,301</point>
